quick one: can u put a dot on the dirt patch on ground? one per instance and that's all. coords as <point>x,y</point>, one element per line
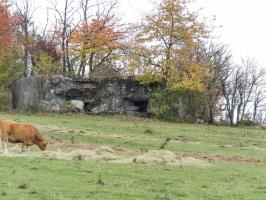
<point>107,154</point>
<point>238,159</point>
<point>58,144</point>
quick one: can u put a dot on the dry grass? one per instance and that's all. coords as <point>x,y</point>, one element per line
<point>90,152</point>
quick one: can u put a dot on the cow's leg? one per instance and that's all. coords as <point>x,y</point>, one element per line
<point>22,148</point>
<point>4,139</point>
<point>5,147</point>
<point>2,143</point>
<point>27,148</point>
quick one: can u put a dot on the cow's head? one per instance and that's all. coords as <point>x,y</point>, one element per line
<point>42,145</point>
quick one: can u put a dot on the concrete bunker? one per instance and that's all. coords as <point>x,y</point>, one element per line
<point>90,95</point>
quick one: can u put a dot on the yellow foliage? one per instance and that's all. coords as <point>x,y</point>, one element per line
<point>165,48</point>
<point>47,65</point>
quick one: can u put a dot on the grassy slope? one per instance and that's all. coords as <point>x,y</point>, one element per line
<point>52,179</point>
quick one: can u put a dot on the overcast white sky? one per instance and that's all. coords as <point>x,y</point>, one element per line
<point>243,22</point>
<point>244,27</point>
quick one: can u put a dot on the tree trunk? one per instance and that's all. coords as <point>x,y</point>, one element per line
<point>211,115</point>
<point>238,118</point>
<point>231,116</point>
<point>69,67</point>
<point>63,55</point>
<point>91,62</point>
<point>82,65</point>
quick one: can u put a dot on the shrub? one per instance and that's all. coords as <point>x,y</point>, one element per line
<point>47,65</point>
<point>165,105</point>
<point>69,107</point>
<point>247,122</point>
<point>180,106</point>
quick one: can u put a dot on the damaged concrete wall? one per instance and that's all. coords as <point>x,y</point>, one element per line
<point>58,93</point>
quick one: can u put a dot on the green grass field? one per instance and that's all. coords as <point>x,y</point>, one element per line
<point>234,161</point>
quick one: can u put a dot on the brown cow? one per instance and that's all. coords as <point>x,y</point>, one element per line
<point>26,134</point>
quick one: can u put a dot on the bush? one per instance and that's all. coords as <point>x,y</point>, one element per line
<point>178,106</point>
<point>47,65</point>
<point>3,98</point>
<point>165,105</point>
<point>69,107</point>
<point>10,70</point>
<point>247,122</point>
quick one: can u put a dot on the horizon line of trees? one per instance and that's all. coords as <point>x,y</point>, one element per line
<point>198,78</point>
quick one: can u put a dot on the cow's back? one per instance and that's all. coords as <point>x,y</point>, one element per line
<point>21,131</point>
<point>6,125</point>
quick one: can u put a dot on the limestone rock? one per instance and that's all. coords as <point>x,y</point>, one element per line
<point>78,105</point>
<point>100,109</point>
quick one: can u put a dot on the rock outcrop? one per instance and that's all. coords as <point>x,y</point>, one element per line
<point>59,93</point>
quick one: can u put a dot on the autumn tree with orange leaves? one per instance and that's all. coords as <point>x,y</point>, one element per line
<point>10,67</point>
<point>95,41</point>
<point>5,29</point>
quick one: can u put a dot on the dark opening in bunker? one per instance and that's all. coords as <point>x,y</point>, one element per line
<point>142,105</point>
<point>87,107</point>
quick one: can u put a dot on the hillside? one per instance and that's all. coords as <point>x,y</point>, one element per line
<point>119,157</point>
